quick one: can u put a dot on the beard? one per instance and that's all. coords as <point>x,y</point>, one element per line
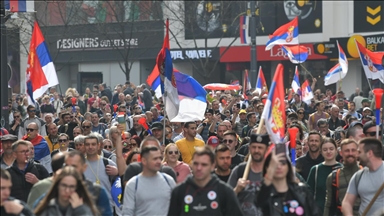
<point>313,148</point>
<point>257,159</point>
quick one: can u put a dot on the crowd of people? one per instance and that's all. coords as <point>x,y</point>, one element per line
<point>93,154</point>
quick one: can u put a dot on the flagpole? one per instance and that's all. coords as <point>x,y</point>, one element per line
<point>4,70</point>
<point>165,114</point>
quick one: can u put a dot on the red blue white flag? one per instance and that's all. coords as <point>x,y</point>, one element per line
<point>306,92</point>
<point>261,83</point>
<point>287,34</point>
<point>297,53</point>
<point>244,28</point>
<point>19,5</point>
<point>372,63</point>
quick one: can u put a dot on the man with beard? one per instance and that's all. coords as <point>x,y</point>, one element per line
<point>230,139</point>
<point>337,181</point>
<point>137,129</point>
<point>367,181</point>
<point>7,158</point>
<point>53,137</point>
<point>312,157</point>
<point>69,123</point>
<point>223,162</point>
<point>188,144</point>
<point>246,190</point>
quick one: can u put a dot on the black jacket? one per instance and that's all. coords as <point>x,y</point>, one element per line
<point>305,163</point>
<point>26,211</point>
<point>270,202</point>
<point>20,187</point>
<point>216,198</point>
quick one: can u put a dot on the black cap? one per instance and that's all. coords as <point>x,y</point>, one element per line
<point>8,137</point>
<point>157,126</point>
<point>209,111</point>
<point>260,138</point>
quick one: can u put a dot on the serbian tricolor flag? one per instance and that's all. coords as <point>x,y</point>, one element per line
<point>155,82</point>
<point>306,92</point>
<point>334,75</point>
<point>287,34</point>
<point>42,152</point>
<point>165,67</point>
<point>261,83</point>
<point>297,53</point>
<point>274,110</point>
<point>246,85</point>
<point>244,24</point>
<point>372,63</point>
<point>19,5</point>
<point>342,59</point>
<point>41,73</point>
<point>296,82</point>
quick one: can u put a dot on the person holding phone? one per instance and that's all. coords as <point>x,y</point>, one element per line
<point>67,196</point>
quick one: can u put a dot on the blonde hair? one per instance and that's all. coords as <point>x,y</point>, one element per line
<point>165,156</point>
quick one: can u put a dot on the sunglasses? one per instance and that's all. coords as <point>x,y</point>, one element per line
<point>62,140</point>
<point>228,141</point>
<point>373,133</point>
<point>107,147</point>
<point>300,113</point>
<point>171,152</point>
<point>31,129</point>
<point>16,116</point>
<point>31,110</point>
<point>86,126</point>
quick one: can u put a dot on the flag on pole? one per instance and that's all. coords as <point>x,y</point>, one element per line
<point>155,82</point>
<point>246,85</point>
<point>274,109</point>
<point>372,63</point>
<point>296,82</point>
<point>165,67</point>
<point>261,83</point>
<point>244,24</point>
<point>306,92</point>
<point>19,5</point>
<point>296,53</point>
<point>334,75</point>
<point>41,73</point>
<point>287,34</point>
<point>342,59</point>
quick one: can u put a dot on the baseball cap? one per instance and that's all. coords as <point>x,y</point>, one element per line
<point>365,100</point>
<point>157,126</point>
<point>213,141</point>
<point>366,108</point>
<point>8,137</point>
<point>242,112</point>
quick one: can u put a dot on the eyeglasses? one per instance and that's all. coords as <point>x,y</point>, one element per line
<point>373,133</point>
<point>300,113</point>
<point>23,152</point>
<point>16,116</point>
<point>62,140</point>
<point>228,141</point>
<point>31,110</point>
<point>65,187</point>
<point>30,129</point>
<point>85,126</point>
<point>171,152</point>
<point>107,147</point>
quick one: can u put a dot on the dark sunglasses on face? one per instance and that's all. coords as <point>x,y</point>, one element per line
<point>171,152</point>
<point>16,116</point>
<point>107,147</point>
<point>373,133</point>
<point>31,129</point>
<point>228,141</point>
<point>31,110</point>
<point>86,126</point>
<point>300,113</point>
<point>62,140</point>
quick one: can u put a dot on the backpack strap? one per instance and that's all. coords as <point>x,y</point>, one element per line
<point>165,179</point>
<point>358,176</point>
<point>317,168</point>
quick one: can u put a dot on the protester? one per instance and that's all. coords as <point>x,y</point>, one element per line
<point>171,159</point>
<point>188,144</point>
<point>7,158</point>
<point>223,162</point>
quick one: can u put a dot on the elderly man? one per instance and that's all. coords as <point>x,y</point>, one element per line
<point>52,137</point>
<point>31,110</point>
<point>7,158</point>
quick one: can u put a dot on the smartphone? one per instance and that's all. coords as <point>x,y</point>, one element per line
<point>337,135</point>
<point>238,106</point>
<point>281,148</point>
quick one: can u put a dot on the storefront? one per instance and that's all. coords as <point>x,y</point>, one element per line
<point>238,58</point>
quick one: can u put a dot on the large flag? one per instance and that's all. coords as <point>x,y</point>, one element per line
<point>155,82</point>
<point>306,92</point>
<point>19,5</point>
<point>342,59</point>
<point>296,82</point>
<point>274,109</point>
<point>246,85</point>
<point>165,67</point>
<point>192,97</point>
<point>334,75</point>
<point>244,24</point>
<point>296,53</point>
<point>41,73</point>
<point>372,63</point>
<point>261,83</point>
<point>287,34</point>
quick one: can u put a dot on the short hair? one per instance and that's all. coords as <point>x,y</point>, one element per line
<point>64,134</point>
<point>29,107</point>
<point>147,149</point>
<point>346,142</point>
<point>78,127</point>
<point>353,130</point>
<point>316,133</point>
<point>5,174</point>
<point>19,142</point>
<point>149,138</point>
<point>100,138</point>
<point>322,121</point>
<point>92,136</point>
<point>73,153</point>
<point>231,133</point>
<point>250,114</point>
<point>221,148</point>
<point>50,124</point>
<point>186,124</point>
<point>206,150</point>
<point>65,114</point>
<point>79,139</point>
<point>293,116</point>
<point>86,121</point>
<point>372,144</point>
<point>58,161</point>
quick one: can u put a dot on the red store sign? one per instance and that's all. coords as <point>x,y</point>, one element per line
<point>243,54</point>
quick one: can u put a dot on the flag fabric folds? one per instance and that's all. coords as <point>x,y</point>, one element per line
<point>244,24</point>
<point>306,92</point>
<point>165,67</point>
<point>296,82</point>
<point>342,59</point>
<point>192,95</point>
<point>274,109</point>
<point>261,82</point>
<point>155,82</point>
<point>372,63</point>
<point>334,75</point>
<point>221,87</point>
<point>116,191</point>
<point>246,85</point>
<point>297,53</point>
<point>19,5</point>
<point>41,73</point>
<point>287,34</point>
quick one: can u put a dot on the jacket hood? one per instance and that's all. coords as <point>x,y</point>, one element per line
<point>213,181</point>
